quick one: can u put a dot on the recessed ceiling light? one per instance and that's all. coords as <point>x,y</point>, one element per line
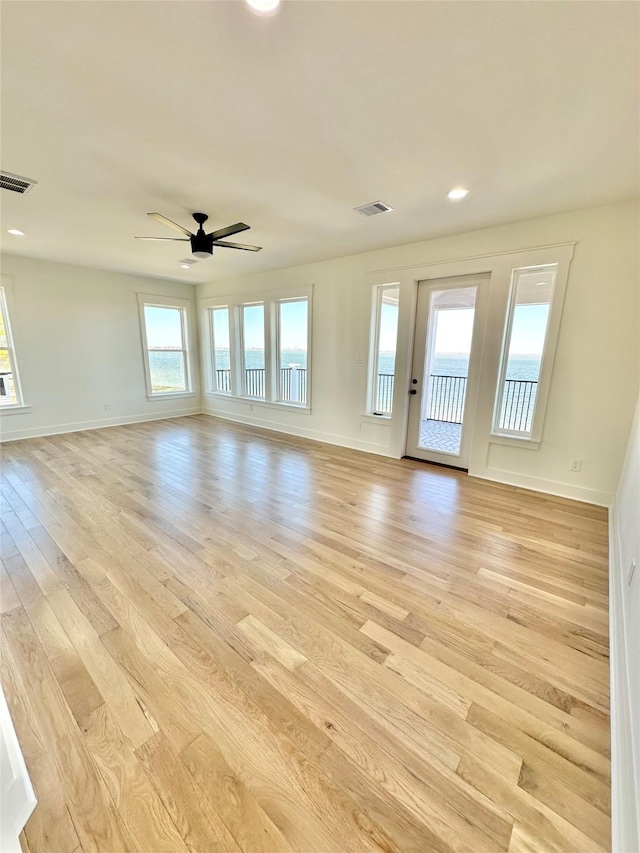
<point>263,7</point>
<point>457,193</point>
<point>185,266</point>
<point>16,232</point>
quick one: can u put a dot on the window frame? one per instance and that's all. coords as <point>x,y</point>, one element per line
<point>377,300</point>
<point>212,374</point>
<point>243,367</point>
<point>278,334</point>
<point>534,435</point>
<point>236,305</point>
<point>146,300</point>
<point>19,405</point>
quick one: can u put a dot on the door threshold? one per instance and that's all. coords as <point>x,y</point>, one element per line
<point>439,464</point>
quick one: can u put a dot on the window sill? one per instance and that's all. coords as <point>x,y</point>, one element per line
<point>171,395</point>
<point>385,420</point>
<point>256,401</point>
<point>15,410</point>
<point>514,441</point>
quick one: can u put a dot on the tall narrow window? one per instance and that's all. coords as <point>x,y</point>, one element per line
<point>524,350</point>
<point>165,334</point>
<point>293,334</point>
<point>253,354</point>
<point>10,394</point>
<point>383,351</point>
<point>221,379</point>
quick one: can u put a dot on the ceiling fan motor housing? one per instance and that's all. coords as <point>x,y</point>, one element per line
<point>202,244</point>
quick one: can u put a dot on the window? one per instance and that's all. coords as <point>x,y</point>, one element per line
<point>164,332</point>
<point>253,352</point>
<point>10,394</point>
<point>221,373</point>
<point>293,332</point>
<point>260,348</point>
<point>382,361</point>
<point>523,351</point>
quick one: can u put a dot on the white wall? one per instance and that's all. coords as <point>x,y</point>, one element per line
<point>625,649</point>
<point>595,377</point>
<point>77,338</point>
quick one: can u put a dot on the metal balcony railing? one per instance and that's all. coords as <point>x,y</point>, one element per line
<point>6,379</point>
<point>446,401</point>
<point>223,380</point>
<point>293,383</point>
<point>7,389</point>
<point>254,381</point>
<point>447,398</point>
<point>518,402</point>
<point>384,393</point>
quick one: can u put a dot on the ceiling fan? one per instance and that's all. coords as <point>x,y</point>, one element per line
<point>202,244</point>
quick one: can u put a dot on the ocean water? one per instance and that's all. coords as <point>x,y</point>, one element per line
<point>520,367</point>
<point>167,370</point>
<point>255,358</point>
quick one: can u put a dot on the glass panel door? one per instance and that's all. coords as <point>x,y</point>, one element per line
<point>444,372</point>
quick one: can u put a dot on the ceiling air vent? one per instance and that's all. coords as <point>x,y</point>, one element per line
<point>373,208</point>
<point>15,183</point>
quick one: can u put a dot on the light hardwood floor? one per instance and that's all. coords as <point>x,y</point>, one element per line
<point>221,639</point>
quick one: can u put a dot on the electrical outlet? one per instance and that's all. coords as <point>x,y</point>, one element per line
<point>107,407</point>
<point>358,426</point>
<point>575,464</point>
<point>632,570</point>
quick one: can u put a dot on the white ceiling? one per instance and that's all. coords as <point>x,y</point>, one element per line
<point>288,122</point>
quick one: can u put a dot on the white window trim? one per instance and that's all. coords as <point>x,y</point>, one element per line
<point>184,306</point>
<point>276,375</point>
<point>235,303</point>
<point>374,339</point>
<point>499,266</point>
<point>211,375</point>
<point>19,406</point>
<point>533,438</point>
<point>242,374</point>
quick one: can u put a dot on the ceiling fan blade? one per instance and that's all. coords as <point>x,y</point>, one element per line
<point>237,246</point>
<point>229,231</point>
<point>171,224</point>
<point>177,239</point>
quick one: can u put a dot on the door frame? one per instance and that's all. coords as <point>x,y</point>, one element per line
<point>409,265</point>
<point>421,340</point>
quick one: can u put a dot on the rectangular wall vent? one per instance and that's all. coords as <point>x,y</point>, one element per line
<point>373,208</point>
<point>15,183</point>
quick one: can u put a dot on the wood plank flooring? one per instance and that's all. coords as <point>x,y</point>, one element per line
<point>221,639</point>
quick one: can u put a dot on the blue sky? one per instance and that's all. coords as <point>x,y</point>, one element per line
<point>293,326</point>
<point>164,328</point>
<point>454,330</point>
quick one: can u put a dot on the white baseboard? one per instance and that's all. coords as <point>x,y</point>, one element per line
<point>625,776</point>
<point>549,487</point>
<point>102,423</point>
<point>302,432</point>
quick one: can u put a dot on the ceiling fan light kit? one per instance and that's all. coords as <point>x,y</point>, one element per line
<point>202,244</point>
